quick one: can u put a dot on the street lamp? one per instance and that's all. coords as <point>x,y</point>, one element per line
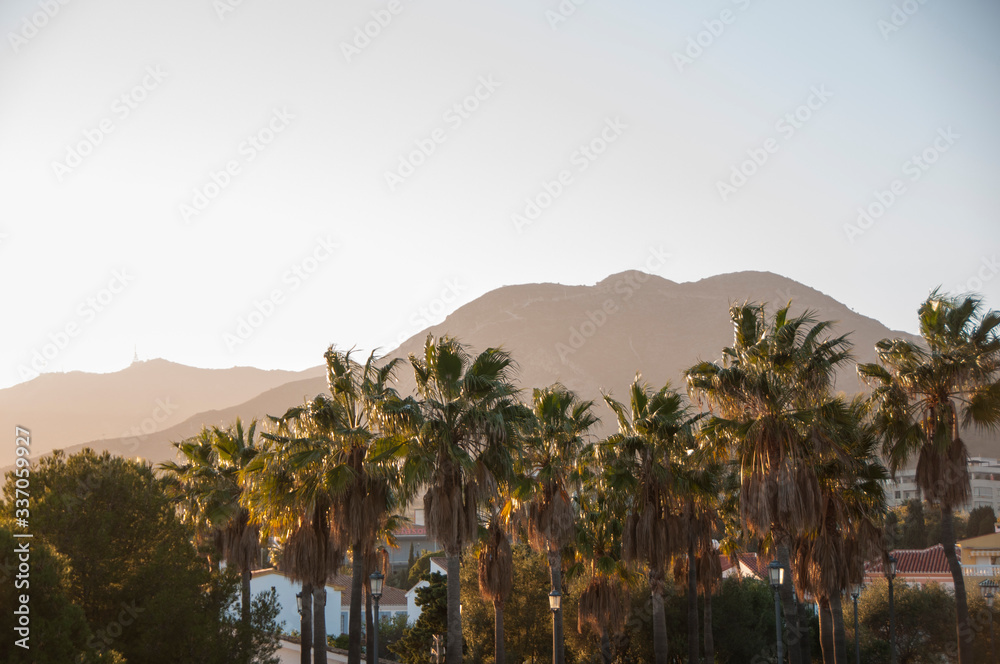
<point>890,574</point>
<point>377,579</point>
<point>776,573</point>
<point>987,587</point>
<point>555,601</point>
<point>855,593</point>
<point>298,602</point>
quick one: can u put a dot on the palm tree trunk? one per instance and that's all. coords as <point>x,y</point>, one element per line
<point>605,646</point>
<point>306,623</point>
<point>804,640</point>
<point>319,624</point>
<point>369,623</point>
<point>692,597</point>
<point>839,636</point>
<point>791,609</point>
<point>354,626</point>
<point>245,610</point>
<point>555,577</point>
<point>709,637</point>
<point>660,644</point>
<point>826,631</point>
<point>965,632</point>
<point>500,656</point>
<point>453,654</point>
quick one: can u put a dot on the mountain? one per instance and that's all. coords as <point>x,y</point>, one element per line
<point>65,409</point>
<point>590,338</point>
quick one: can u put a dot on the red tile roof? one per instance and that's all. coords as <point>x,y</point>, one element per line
<point>754,564</point>
<point>915,561</point>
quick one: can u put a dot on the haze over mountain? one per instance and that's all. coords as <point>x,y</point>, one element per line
<point>590,338</point>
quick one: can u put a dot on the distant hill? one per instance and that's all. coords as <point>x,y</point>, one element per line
<point>65,409</point>
<point>590,338</point>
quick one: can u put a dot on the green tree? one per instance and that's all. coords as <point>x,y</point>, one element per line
<point>467,422</point>
<point>924,629</point>
<point>924,394</point>
<point>914,535</point>
<point>58,630</point>
<point>415,645</point>
<point>982,521</point>
<point>131,566</point>
<point>527,618</point>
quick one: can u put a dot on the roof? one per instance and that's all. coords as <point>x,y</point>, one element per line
<point>988,541</point>
<point>754,565</point>
<point>915,561</point>
<point>390,596</point>
<point>441,562</point>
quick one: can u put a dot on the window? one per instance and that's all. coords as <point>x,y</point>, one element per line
<point>418,517</point>
<point>897,495</point>
<point>345,622</point>
<point>982,492</point>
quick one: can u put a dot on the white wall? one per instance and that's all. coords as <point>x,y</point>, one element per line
<point>289,612</point>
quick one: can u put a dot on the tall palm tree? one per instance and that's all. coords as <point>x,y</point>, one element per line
<point>209,478</point>
<point>344,449</point>
<point>553,447</point>
<point>765,394</point>
<point>643,461</point>
<point>465,446</point>
<point>924,395</point>
<point>496,568</point>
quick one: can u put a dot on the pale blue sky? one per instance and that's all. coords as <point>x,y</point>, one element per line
<point>445,234</point>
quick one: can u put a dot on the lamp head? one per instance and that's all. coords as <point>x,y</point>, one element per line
<point>776,574</point>
<point>377,580</point>
<point>555,600</point>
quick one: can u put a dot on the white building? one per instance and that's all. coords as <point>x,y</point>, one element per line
<point>338,600</point>
<point>439,565</point>
<point>985,479</point>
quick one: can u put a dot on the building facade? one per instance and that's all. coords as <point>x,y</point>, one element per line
<point>984,476</point>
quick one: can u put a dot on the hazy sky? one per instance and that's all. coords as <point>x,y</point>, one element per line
<point>236,182</point>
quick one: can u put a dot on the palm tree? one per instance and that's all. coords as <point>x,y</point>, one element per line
<point>603,603</point>
<point>642,461</point>
<point>344,450</point>
<point>924,395</point>
<point>209,478</point>
<point>467,420</point>
<point>496,567</point>
<point>765,394</point>
<point>553,446</point>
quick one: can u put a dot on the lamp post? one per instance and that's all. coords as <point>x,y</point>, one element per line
<point>987,587</point>
<point>776,573</point>
<point>855,592</point>
<point>377,579</point>
<point>890,574</point>
<point>555,601</point>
